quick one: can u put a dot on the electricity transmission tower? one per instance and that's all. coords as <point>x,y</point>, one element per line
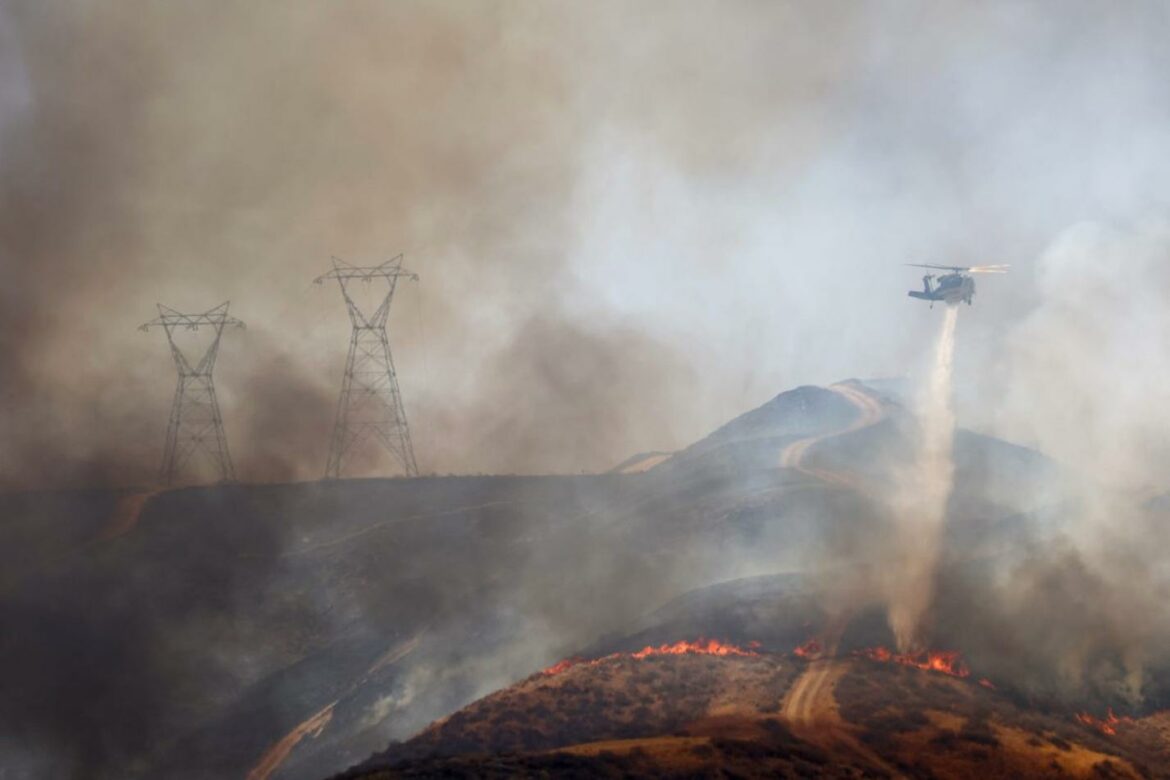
<point>195,424</point>
<point>371,403</point>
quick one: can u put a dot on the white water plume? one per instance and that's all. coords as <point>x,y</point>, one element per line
<point>921,492</point>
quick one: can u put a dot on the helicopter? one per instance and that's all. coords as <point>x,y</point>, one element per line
<point>953,287</point>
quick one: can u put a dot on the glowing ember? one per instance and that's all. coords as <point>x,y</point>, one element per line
<point>698,647</point>
<point>945,661</point>
<point>810,650</point>
<point>1106,725</point>
<point>987,683</point>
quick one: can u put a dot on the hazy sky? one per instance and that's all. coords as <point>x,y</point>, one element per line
<point>632,222</point>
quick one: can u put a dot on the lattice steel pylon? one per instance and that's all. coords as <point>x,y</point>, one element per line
<point>195,423</point>
<point>370,404</point>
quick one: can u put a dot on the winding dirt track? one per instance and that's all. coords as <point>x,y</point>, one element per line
<point>125,515</point>
<point>811,705</point>
<point>869,412</point>
<point>810,701</point>
<point>811,709</point>
<point>276,754</point>
<point>316,724</point>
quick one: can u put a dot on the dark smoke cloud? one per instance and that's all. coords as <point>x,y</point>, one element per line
<point>1059,622</point>
<point>701,177</point>
<point>549,398</point>
<point>286,421</point>
<point>192,157</point>
<point>67,235</point>
<point>110,659</point>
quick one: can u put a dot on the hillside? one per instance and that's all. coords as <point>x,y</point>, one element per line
<point>289,631</point>
<point>773,708</point>
<point>709,716</point>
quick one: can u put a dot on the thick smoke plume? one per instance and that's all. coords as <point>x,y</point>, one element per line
<point>632,223</point>
<point>921,490</point>
<point>154,152</point>
<point>1082,377</point>
<point>657,205</point>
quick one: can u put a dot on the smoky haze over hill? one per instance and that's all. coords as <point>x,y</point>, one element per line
<point>673,212</point>
<point>632,224</point>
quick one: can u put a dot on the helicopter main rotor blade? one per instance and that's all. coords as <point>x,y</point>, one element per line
<point>965,269</point>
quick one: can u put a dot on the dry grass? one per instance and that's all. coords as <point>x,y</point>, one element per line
<point>620,698</point>
<point>923,722</point>
<point>700,716</point>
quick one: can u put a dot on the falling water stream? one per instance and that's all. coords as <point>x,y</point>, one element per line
<point>921,493</point>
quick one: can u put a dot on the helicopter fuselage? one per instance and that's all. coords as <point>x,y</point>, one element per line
<point>952,289</point>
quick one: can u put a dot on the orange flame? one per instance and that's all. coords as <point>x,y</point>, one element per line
<point>810,650</point>
<point>562,666</point>
<point>698,647</point>
<point>701,647</point>
<point>1106,725</point>
<point>945,661</point>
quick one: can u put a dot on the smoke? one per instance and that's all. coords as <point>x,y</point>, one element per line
<point>631,224</point>
<point>120,645</point>
<point>664,186</point>
<point>192,157</point>
<point>1082,372</point>
<point>566,421</point>
<point>921,490</point>
<point>1084,610</point>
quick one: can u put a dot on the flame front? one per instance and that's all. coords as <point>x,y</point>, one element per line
<point>1106,725</point>
<point>561,666</point>
<point>698,647</point>
<point>701,647</point>
<point>810,650</point>
<point>945,661</point>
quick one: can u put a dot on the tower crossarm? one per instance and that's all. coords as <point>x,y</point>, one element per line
<point>170,319</point>
<point>344,272</point>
